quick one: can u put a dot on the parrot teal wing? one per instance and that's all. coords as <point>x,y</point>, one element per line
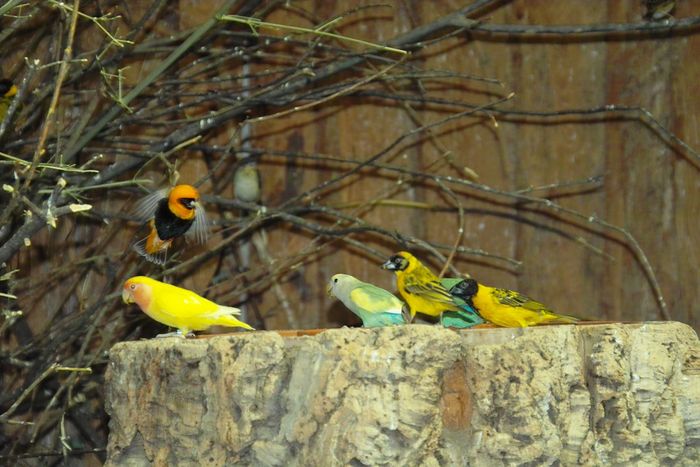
<point>464,318</point>
<point>467,316</point>
<point>449,282</point>
<point>377,307</point>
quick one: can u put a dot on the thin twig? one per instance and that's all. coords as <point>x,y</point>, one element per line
<point>48,120</point>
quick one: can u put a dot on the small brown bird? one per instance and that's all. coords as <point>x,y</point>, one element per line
<point>247,183</point>
<point>659,10</point>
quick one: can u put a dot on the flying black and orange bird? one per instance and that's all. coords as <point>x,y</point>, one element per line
<point>170,214</point>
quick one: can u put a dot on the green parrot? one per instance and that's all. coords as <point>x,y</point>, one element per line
<point>375,306</point>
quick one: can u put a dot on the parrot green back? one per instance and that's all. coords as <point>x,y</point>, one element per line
<point>466,317</point>
<point>449,282</point>
<point>375,306</point>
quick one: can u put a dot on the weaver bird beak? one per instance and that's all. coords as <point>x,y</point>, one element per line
<point>389,265</point>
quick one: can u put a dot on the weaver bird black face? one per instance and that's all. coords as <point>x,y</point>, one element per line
<point>395,263</point>
<point>7,89</point>
<point>465,289</point>
<point>188,203</point>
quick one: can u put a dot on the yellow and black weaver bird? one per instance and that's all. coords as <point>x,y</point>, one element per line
<point>8,91</point>
<point>420,288</point>
<point>506,308</point>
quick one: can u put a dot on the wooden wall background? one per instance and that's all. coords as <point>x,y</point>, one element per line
<point>645,186</point>
<point>552,141</point>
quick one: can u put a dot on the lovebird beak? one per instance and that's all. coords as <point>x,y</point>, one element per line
<point>126,296</point>
<point>329,290</point>
<point>389,265</point>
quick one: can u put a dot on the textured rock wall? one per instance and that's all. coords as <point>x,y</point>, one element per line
<point>410,395</point>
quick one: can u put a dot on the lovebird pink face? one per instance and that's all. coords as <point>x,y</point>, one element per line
<point>136,292</point>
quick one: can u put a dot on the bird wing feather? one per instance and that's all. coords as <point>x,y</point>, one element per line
<point>145,208</point>
<point>375,300</point>
<point>427,287</point>
<point>184,304</point>
<point>518,300</point>
<point>200,227</point>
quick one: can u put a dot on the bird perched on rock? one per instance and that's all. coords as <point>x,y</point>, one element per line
<point>421,288</point>
<point>506,308</point>
<point>177,307</point>
<point>170,214</point>
<point>7,92</point>
<point>375,306</point>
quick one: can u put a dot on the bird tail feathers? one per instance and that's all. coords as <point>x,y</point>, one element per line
<point>406,313</point>
<point>226,317</point>
<point>159,257</point>
<point>228,310</point>
<point>566,319</point>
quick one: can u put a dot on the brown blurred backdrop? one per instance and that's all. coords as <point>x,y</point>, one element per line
<point>537,143</point>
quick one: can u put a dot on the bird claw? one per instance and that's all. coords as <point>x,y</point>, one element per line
<point>177,333</point>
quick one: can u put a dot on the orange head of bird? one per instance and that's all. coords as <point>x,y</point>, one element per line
<point>401,261</point>
<point>136,290</point>
<point>183,201</point>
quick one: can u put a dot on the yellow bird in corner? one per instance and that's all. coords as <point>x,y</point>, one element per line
<point>506,308</point>
<point>177,307</point>
<point>7,93</point>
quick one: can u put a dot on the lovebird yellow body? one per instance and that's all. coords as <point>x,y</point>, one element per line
<point>507,308</point>
<point>419,287</point>
<point>177,307</point>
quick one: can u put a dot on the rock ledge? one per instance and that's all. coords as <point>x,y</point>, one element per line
<point>410,395</point>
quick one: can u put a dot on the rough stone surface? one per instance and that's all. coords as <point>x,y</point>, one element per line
<point>608,394</point>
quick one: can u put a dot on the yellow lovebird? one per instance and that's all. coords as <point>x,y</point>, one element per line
<point>7,93</point>
<point>177,307</point>
<point>420,288</point>
<point>506,308</point>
